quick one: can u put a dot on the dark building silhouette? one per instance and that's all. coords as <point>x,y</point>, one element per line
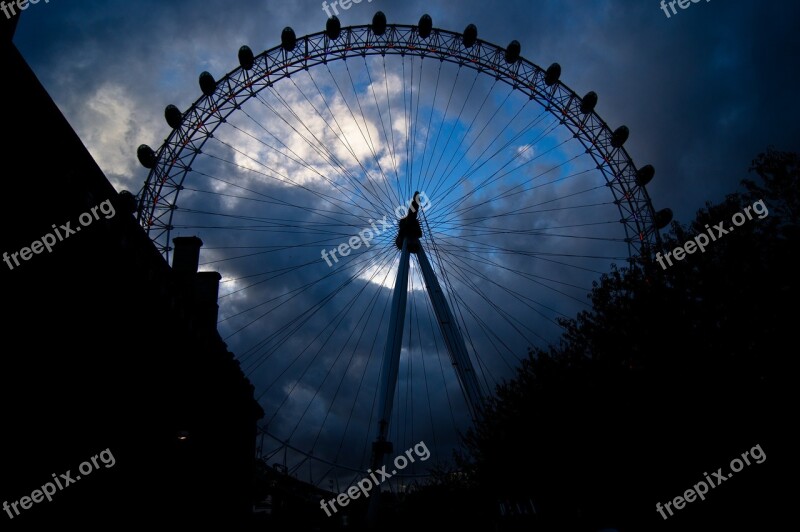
<point>104,346</point>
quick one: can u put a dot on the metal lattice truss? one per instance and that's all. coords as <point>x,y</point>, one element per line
<point>158,199</point>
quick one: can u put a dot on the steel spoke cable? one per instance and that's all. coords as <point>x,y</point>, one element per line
<point>274,200</point>
<point>389,147</point>
<point>283,176</point>
<point>470,255</point>
<point>310,210</point>
<point>438,352</point>
<point>469,171</point>
<point>331,199</point>
<point>542,211</point>
<point>341,136</point>
<point>441,126</point>
<point>452,129</point>
<point>523,131</point>
<point>428,128</point>
<point>297,159</point>
<point>369,262</point>
<point>502,194</point>
<point>267,272</point>
<point>464,136</point>
<point>416,117</point>
<point>484,370</point>
<point>489,334</point>
<point>449,293</point>
<point>514,293</point>
<point>406,122</point>
<point>526,209</point>
<point>314,211</point>
<point>511,192</point>
<point>368,140</point>
<point>453,225</point>
<point>465,280</point>
<point>309,228</point>
<point>302,287</point>
<point>364,370</point>
<point>477,164</point>
<point>274,222</point>
<point>531,278</point>
<point>358,126</point>
<point>529,254</point>
<point>288,334</point>
<point>347,309</point>
<point>391,124</point>
<point>319,146</point>
<point>496,174</point>
<point>534,232</point>
<point>425,380</point>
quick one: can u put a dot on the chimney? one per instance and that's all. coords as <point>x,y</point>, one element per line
<point>206,290</point>
<point>200,289</point>
<point>187,254</point>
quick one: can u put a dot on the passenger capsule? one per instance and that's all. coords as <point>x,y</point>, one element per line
<point>146,156</point>
<point>379,23</point>
<point>619,136</point>
<point>207,83</point>
<point>174,116</point>
<point>246,59</point>
<point>588,102</point>
<point>470,36</point>
<point>288,39</point>
<point>513,51</point>
<point>333,28</point>
<point>552,74</point>
<point>663,218</point>
<point>425,26</point>
<point>645,174</point>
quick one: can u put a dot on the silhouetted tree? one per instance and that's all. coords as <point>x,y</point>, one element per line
<point>673,373</point>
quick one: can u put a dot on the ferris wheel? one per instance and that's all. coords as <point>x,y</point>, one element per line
<point>399,212</point>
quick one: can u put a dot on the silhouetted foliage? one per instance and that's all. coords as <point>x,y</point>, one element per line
<point>673,373</point>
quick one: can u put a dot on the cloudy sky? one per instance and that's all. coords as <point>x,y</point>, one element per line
<point>702,91</point>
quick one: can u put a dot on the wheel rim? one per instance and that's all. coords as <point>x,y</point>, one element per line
<point>452,233</point>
